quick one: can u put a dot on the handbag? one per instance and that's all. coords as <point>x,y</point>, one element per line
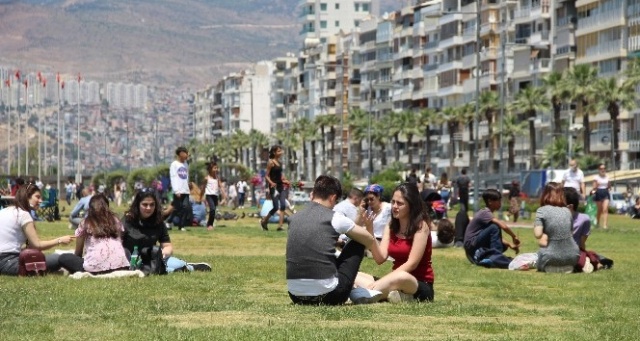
<point>153,262</point>
<point>31,262</point>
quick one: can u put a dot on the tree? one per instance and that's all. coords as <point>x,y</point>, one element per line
<point>555,153</point>
<point>408,123</point>
<point>258,141</point>
<point>324,121</point>
<point>308,133</point>
<point>394,129</point>
<point>467,114</point>
<point>239,140</point>
<point>380,137</point>
<point>579,82</point>
<point>512,127</point>
<point>557,94</point>
<point>632,72</point>
<point>612,97</point>
<point>427,118</point>
<point>358,125</point>
<point>452,117</point>
<point>529,101</point>
<point>489,105</point>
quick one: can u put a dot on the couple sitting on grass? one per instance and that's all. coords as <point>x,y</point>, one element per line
<point>316,277</point>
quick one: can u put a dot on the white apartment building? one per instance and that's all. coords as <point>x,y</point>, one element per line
<point>203,115</point>
<point>320,19</point>
<point>126,95</point>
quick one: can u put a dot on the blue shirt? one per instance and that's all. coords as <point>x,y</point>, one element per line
<point>83,204</point>
<point>199,212</point>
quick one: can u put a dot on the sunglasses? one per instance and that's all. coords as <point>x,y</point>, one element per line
<point>148,190</point>
<point>369,199</point>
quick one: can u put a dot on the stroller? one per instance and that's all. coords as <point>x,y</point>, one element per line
<point>436,207</point>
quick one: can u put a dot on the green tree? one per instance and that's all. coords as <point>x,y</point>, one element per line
<point>467,113</point>
<point>428,117</point>
<point>327,121</point>
<point>239,140</point>
<point>489,106</point>
<point>408,122</point>
<point>358,125</point>
<point>258,141</point>
<point>452,117</point>
<point>579,82</point>
<point>529,101</point>
<point>395,129</point>
<point>632,71</point>
<point>612,97</point>
<point>380,137</point>
<point>512,127</point>
<point>557,94</point>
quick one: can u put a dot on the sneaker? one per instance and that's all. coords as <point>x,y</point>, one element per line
<point>200,266</point>
<point>458,244</point>
<point>365,296</point>
<point>263,224</point>
<point>182,229</point>
<point>397,296</point>
<point>588,267</point>
<point>280,228</point>
<point>209,227</point>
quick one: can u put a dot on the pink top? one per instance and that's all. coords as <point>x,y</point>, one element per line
<point>102,254</point>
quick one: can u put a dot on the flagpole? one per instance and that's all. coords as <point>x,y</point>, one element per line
<point>58,170</point>
<point>78,171</point>
<point>19,121</point>
<point>26,127</point>
<point>8,83</point>
<point>39,115</point>
<point>42,99</point>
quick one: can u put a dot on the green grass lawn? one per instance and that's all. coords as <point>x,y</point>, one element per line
<point>245,298</point>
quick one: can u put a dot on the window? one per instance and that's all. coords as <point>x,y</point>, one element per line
<point>323,24</point>
<point>356,23</point>
<point>357,7</point>
<point>323,7</point>
<point>337,23</point>
<point>337,6</point>
<point>365,7</point>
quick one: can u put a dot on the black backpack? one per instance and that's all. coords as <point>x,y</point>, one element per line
<point>153,263</point>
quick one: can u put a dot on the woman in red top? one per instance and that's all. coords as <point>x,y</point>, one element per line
<point>408,241</point>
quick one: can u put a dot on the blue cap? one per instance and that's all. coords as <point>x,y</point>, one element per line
<point>374,188</point>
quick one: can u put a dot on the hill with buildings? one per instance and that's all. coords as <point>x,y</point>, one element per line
<point>181,42</point>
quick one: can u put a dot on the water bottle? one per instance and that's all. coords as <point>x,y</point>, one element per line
<point>135,257</point>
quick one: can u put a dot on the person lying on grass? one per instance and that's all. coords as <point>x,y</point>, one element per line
<point>315,276</point>
<point>144,228</point>
<point>407,239</point>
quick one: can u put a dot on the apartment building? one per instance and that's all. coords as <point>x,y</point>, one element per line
<point>280,96</point>
<point>320,19</point>
<point>203,115</point>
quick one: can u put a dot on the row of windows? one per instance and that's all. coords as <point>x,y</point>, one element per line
<point>357,6</point>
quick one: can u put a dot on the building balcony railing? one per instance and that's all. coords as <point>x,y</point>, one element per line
<point>522,12</point>
<point>430,67</point>
<point>469,60</point>
<point>565,21</point>
<point>600,20</point>
<point>612,46</point>
<point>432,45</point>
<point>539,38</point>
<point>540,65</point>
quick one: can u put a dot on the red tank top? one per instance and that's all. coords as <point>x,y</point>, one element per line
<point>399,250</point>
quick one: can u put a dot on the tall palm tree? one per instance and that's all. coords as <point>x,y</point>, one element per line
<point>452,117</point>
<point>239,140</point>
<point>408,123</point>
<point>489,105</point>
<point>613,97</point>
<point>358,125</point>
<point>579,82</point>
<point>427,118</point>
<point>258,141</point>
<point>324,121</point>
<point>511,127</point>
<point>467,113</point>
<point>530,101</point>
<point>380,137</point>
<point>308,133</point>
<point>394,129</point>
<point>633,70</point>
<point>557,93</point>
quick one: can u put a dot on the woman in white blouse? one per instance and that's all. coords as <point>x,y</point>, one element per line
<point>601,187</point>
<point>380,209</point>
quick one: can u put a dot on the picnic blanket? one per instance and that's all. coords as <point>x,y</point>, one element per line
<point>115,274</point>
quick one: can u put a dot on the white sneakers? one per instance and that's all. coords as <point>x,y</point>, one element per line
<point>365,296</point>
<point>396,296</point>
<point>588,267</point>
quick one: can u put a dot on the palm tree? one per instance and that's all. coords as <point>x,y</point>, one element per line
<point>308,133</point>
<point>427,118</point>
<point>557,93</point>
<point>633,70</point>
<point>467,113</point>
<point>579,82</point>
<point>324,121</point>
<point>238,141</point>
<point>489,105</point>
<point>613,97</point>
<point>408,124</point>
<point>394,129</point>
<point>358,125</point>
<point>258,140</point>
<point>511,127</point>
<point>380,137</point>
<point>530,101</point>
<point>452,117</point>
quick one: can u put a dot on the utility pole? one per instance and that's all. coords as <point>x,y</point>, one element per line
<point>476,180</point>
<point>78,166</point>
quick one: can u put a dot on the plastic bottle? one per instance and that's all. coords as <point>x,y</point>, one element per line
<point>135,257</point>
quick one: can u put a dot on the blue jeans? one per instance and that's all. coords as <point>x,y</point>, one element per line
<point>174,263</point>
<point>489,238</point>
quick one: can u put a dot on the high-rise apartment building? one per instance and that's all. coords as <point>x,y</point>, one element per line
<point>321,19</point>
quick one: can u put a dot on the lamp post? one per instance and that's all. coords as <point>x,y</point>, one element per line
<point>476,177</point>
<point>78,166</point>
<point>503,58</point>
<point>370,162</point>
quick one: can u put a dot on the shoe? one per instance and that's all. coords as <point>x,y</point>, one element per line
<point>200,266</point>
<point>182,229</point>
<point>396,296</point>
<point>458,244</point>
<point>365,296</point>
<point>588,267</point>
<point>263,224</point>
<point>243,215</point>
<point>280,228</point>
<point>210,228</point>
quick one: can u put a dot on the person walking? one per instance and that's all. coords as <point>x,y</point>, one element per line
<point>601,186</point>
<point>276,180</point>
<point>179,174</point>
<point>514,200</point>
<point>242,189</point>
<point>214,191</point>
<point>574,177</point>
<point>462,183</point>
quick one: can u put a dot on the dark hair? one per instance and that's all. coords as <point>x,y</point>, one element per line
<point>491,195</point>
<point>572,197</point>
<point>325,186</point>
<point>24,193</point>
<point>464,171</point>
<point>356,192</point>
<point>101,222</point>
<point>417,212</point>
<point>446,231</point>
<point>444,178</point>
<point>552,195</point>
<point>210,167</point>
<point>181,149</point>
<point>133,215</point>
<point>273,150</point>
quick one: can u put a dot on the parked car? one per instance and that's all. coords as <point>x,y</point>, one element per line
<point>300,198</point>
<point>618,201</point>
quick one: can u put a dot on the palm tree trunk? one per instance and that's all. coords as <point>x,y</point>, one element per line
<point>532,140</point>
<point>255,158</point>
<point>313,159</point>
<point>333,149</point>
<point>324,150</point>
<point>452,150</point>
<point>397,147</point>
<point>557,124</point>
<point>410,150</point>
<point>304,159</point>
<point>492,149</point>
<point>472,145</point>
<point>615,126</point>
<point>383,154</point>
<point>586,135</point>
<point>359,158</point>
<point>511,146</point>
<point>427,147</point>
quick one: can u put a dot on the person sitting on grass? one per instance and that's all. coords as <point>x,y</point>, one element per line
<point>144,228</point>
<point>443,235</point>
<point>349,207</point>
<point>485,231</point>
<point>99,238</point>
<point>267,206</point>
<point>552,227</point>
<point>407,239</point>
<point>315,276</point>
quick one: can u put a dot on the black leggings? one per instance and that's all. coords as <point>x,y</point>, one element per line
<point>278,200</point>
<point>212,201</point>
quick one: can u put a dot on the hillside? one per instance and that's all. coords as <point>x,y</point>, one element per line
<point>182,42</point>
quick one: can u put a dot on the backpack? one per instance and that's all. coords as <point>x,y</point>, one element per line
<point>153,262</point>
<point>31,262</point>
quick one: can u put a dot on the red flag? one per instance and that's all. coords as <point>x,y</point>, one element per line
<point>79,77</point>
<point>39,76</point>
<point>26,83</point>
<point>62,84</point>
<point>18,75</point>
<point>58,77</point>
<point>44,82</point>
<point>8,83</point>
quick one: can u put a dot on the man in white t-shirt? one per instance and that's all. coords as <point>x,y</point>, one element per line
<point>314,275</point>
<point>429,180</point>
<point>574,177</point>
<point>179,175</point>
<point>349,207</point>
<point>242,187</point>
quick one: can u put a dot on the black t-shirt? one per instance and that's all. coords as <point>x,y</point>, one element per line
<point>412,179</point>
<point>463,182</point>
<point>143,234</point>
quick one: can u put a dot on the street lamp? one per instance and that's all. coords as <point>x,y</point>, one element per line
<point>371,83</point>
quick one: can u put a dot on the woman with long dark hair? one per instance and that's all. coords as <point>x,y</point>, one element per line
<point>145,228</point>
<point>17,228</point>
<point>99,237</point>
<point>407,239</point>
<point>276,180</point>
<point>214,191</point>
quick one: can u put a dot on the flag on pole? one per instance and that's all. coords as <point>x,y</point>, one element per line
<point>58,77</point>
<point>79,77</point>
<point>62,84</point>
<point>8,83</point>
<point>18,75</point>
<point>39,76</point>
<point>44,82</point>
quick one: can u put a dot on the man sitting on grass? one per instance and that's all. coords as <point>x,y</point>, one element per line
<point>314,275</point>
<point>485,231</point>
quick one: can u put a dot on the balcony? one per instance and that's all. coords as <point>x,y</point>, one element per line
<point>469,60</point>
<point>453,89</point>
<point>432,45</point>
<point>451,65</point>
<point>600,22</point>
<point>487,80</point>
<point>522,12</point>
<point>430,67</point>
<point>489,53</point>
<point>449,42</point>
<point>541,10</point>
<point>609,49</point>
<point>539,38</point>
<point>404,52</point>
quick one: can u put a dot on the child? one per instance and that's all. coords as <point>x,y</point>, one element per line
<point>443,236</point>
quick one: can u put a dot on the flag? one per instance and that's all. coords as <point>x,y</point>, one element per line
<point>44,82</point>
<point>39,76</point>
<point>18,75</point>
<point>79,77</point>
<point>26,83</point>
<point>8,83</point>
<point>62,84</point>
<point>58,77</point>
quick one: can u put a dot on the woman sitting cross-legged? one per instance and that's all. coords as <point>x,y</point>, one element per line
<point>145,228</point>
<point>407,239</point>
<point>99,237</point>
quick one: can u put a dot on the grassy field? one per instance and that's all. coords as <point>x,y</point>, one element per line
<point>245,298</point>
